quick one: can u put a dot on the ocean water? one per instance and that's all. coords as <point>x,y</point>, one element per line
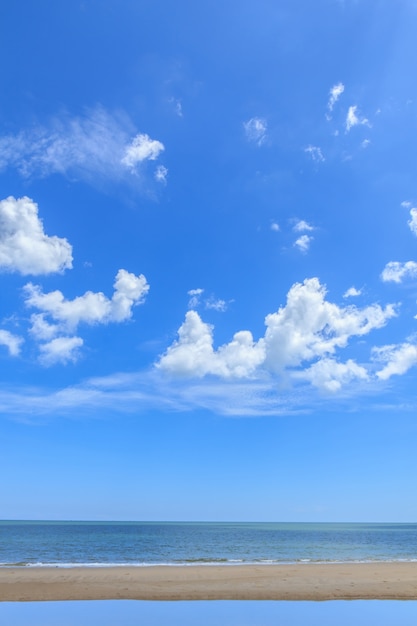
<point>42,543</point>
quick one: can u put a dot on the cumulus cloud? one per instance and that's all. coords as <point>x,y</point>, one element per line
<point>315,153</point>
<point>193,353</point>
<point>142,148</point>
<point>330,376</point>
<point>413,221</point>
<point>334,95</point>
<point>275,227</point>
<point>57,318</point>
<point>60,350</point>
<point>396,272</point>
<point>307,331</point>
<point>398,359</point>
<point>90,308</point>
<point>302,226</point>
<point>255,130</point>
<point>97,146</point>
<point>352,119</point>
<point>11,342</point>
<point>303,243</point>
<point>311,327</point>
<point>352,292</point>
<point>24,246</point>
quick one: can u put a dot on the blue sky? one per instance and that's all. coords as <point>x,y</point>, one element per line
<point>208,260</point>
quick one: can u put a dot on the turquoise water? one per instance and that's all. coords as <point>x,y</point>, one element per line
<point>213,613</point>
<point>148,543</point>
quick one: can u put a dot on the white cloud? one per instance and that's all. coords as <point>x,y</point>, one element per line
<point>352,292</point>
<point>129,291</point>
<point>216,304</point>
<point>11,342</point>
<point>97,147</point>
<point>352,119</point>
<point>24,246</point>
<point>398,358</point>
<point>161,174</point>
<point>275,227</point>
<point>142,148</point>
<point>413,221</point>
<point>303,243</point>
<point>255,130</point>
<point>365,143</point>
<point>141,391</point>
<point>328,375</point>
<point>41,329</point>
<point>302,226</point>
<point>90,308</point>
<point>59,318</point>
<point>395,272</point>
<point>177,106</point>
<point>334,95</point>
<point>194,300</point>
<point>315,153</point>
<point>406,204</point>
<point>193,354</point>
<point>308,329</point>
<point>60,350</point>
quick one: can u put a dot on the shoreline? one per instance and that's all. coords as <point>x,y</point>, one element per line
<point>306,581</point>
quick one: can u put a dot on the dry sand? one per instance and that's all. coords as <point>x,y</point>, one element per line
<point>249,582</point>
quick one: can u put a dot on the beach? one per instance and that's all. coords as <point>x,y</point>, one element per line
<point>310,581</point>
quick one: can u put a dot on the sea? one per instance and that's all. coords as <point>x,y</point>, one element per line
<point>144,544</point>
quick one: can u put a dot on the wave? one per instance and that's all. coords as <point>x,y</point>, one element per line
<point>200,562</point>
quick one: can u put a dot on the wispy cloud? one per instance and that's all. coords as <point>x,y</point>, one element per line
<point>211,302</point>
<point>413,221</point>
<point>315,153</point>
<point>216,304</point>
<point>195,295</point>
<point>95,147</point>
<point>161,174</point>
<point>353,119</point>
<point>255,130</point>
<point>133,393</point>
<point>334,95</point>
<point>177,104</point>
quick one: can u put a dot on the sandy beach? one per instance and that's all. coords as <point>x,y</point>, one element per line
<point>250,582</point>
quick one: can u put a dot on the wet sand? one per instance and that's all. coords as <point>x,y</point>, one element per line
<point>345,581</point>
